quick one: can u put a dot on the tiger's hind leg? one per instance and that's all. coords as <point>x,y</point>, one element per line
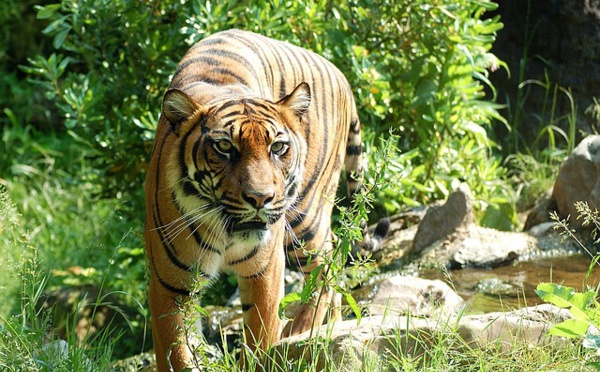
<point>324,305</point>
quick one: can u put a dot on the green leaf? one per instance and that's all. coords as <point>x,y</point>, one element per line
<point>570,328</point>
<point>60,37</point>
<point>555,294</point>
<point>311,283</point>
<point>351,302</point>
<point>47,11</point>
<point>286,301</point>
<point>593,315</point>
<point>595,365</point>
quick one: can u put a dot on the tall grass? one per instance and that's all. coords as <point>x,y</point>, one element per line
<point>56,233</point>
<point>28,341</point>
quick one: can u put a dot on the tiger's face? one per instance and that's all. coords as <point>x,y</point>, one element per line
<point>239,162</point>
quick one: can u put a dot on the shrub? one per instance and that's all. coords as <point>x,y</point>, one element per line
<point>419,70</point>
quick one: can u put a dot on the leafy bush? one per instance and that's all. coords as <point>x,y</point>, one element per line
<point>418,70</point>
<point>19,39</point>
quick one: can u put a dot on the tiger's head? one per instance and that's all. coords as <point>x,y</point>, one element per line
<point>237,162</point>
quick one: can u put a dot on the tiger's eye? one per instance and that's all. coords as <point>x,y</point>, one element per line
<point>224,147</point>
<point>279,148</point>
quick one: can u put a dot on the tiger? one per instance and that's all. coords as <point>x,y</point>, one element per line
<point>250,146</point>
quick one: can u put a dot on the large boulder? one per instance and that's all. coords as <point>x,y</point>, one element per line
<point>579,180</point>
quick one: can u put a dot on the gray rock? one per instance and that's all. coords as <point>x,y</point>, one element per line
<point>483,247</point>
<point>415,296</point>
<point>443,220</point>
<point>540,213</point>
<point>578,179</point>
<point>527,326</point>
<point>349,341</point>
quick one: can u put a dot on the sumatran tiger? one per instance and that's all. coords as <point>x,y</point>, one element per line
<point>251,141</point>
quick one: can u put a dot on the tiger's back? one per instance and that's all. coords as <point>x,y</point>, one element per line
<point>251,142</point>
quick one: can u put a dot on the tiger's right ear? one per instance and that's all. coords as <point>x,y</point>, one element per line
<point>178,107</point>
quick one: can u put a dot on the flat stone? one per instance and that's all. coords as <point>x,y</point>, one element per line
<point>483,247</point>
<point>415,296</point>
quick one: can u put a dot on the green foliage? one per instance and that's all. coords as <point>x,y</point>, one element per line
<point>532,176</point>
<point>106,82</point>
<point>436,72</point>
<point>19,39</point>
<point>420,69</point>
<point>537,140</point>
<point>583,307</point>
<point>69,232</point>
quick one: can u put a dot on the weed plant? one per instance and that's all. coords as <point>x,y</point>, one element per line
<point>25,337</point>
<point>583,305</point>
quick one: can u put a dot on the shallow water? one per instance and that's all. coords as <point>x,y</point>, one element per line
<point>511,287</point>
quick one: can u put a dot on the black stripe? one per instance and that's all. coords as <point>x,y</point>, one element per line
<point>246,307</point>
<point>268,110</point>
<point>156,214</point>
<point>321,110</point>
<point>189,188</point>
<point>286,53</point>
<point>307,237</point>
<point>229,73</point>
<point>299,219</point>
<point>354,150</point>
<point>250,254</point>
<point>180,291</point>
<point>355,126</point>
<point>198,59</point>
<point>259,273</point>
<point>226,54</point>
<point>301,262</point>
<point>261,53</point>
<point>182,150</point>
<point>168,247</point>
<point>200,80</point>
<point>195,149</point>
<point>225,106</point>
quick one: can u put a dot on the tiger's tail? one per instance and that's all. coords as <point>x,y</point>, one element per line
<point>354,176</point>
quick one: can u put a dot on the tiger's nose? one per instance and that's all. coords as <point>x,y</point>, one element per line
<point>258,199</point>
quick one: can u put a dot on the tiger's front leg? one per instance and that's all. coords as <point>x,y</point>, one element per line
<point>172,352</point>
<point>260,295</point>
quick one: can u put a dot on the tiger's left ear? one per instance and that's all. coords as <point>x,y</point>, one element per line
<point>298,100</point>
<point>178,107</point>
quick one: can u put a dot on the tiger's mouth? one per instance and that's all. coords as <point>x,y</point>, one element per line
<point>251,225</point>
